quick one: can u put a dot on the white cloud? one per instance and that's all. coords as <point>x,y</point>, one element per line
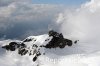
<point>27,16</point>
<point>7,2</point>
<point>83,24</point>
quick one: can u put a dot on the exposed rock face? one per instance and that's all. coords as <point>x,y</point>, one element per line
<point>34,49</point>
<point>58,40</point>
<point>12,46</point>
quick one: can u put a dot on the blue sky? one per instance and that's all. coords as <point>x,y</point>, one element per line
<point>64,2</point>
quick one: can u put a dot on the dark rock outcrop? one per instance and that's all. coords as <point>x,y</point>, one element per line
<point>12,46</point>
<point>76,41</point>
<point>58,40</point>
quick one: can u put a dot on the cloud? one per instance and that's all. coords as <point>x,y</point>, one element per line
<point>24,18</point>
<point>82,24</point>
<point>7,2</point>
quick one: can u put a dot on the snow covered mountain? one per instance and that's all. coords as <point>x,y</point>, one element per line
<point>50,49</point>
<point>35,46</point>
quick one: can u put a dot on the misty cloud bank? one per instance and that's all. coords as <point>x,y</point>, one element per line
<point>82,24</point>
<point>19,19</point>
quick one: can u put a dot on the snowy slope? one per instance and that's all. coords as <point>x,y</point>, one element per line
<point>33,48</point>
<point>76,55</point>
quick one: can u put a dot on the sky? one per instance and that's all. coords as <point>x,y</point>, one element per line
<point>22,18</point>
<point>64,2</point>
